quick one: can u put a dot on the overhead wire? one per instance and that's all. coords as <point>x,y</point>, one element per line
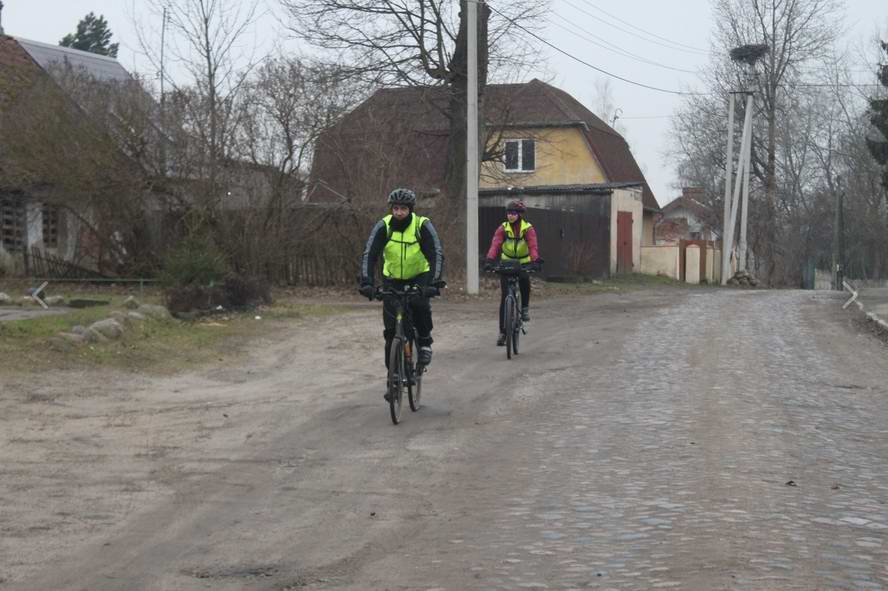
<point>604,44</point>
<point>668,42</point>
<point>629,54</point>
<point>587,64</point>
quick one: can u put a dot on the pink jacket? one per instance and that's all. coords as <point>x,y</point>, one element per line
<point>500,236</point>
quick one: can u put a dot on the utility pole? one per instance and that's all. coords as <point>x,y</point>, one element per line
<point>839,236</point>
<point>472,158</point>
<point>744,208</point>
<point>746,56</point>
<point>163,136</point>
<point>727,232</point>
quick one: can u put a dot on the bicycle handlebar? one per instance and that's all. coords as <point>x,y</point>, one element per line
<point>409,290</point>
<point>512,269</point>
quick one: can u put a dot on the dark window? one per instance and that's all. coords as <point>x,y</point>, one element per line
<point>51,226</point>
<point>12,224</point>
<point>520,155</point>
<point>528,157</point>
<point>512,156</point>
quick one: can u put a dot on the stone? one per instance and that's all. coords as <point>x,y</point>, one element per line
<point>60,344</point>
<point>131,303</point>
<point>109,328</point>
<point>137,316</point>
<point>154,311</point>
<point>5,300</point>
<point>122,318</point>
<point>72,337</point>
<point>78,329</point>
<point>55,301</point>
<point>94,336</point>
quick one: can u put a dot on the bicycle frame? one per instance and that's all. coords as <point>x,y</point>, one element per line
<point>513,325</point>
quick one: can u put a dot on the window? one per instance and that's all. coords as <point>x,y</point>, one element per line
<point>50,226</point>
<point>12,224</point>
<point>520,156</point>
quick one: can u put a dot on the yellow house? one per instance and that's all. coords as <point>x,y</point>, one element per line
<point>558,156</point>
<point>590,201</point>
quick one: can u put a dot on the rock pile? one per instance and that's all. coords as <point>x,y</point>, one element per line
<point>743,279</point>
<point>114,327</point>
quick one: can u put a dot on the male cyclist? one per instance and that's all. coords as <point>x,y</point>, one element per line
<point>412,255</point>
<point>514,240</point>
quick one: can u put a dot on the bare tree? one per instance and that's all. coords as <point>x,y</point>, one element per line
<point>206,40</point>
<point>400,42</point>
<point>605,104</point>
<point>286,105</point>
<point>797,33</point>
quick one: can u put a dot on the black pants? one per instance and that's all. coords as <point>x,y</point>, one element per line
<point>523,287</point>
<point>421,310</point>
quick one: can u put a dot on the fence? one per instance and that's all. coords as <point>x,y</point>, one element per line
<point>317,271</point>
<point>671,260</point>
<point>47,265</point>
<point>571,243</point>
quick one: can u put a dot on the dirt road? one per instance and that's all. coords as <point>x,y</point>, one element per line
<point>699,439</point>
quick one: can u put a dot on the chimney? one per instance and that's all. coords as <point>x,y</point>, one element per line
<point>1,17</point>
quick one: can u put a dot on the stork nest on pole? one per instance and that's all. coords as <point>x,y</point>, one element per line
<point>749,54</point>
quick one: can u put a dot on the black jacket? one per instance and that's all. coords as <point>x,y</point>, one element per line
<point>429,243</point>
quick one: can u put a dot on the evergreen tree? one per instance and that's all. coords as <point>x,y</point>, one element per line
<point>879,118</point>
<point>92,35</point>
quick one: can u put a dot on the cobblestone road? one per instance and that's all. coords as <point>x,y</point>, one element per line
<point>736,441</point>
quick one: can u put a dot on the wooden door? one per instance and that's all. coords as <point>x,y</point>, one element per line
<point>624,242</point>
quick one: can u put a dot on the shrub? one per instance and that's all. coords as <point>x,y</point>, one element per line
<point>194,262</point>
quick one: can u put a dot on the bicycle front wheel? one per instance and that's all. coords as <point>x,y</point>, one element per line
<point>516,329</point>
<point>396,380</point>
<point>509,323</point>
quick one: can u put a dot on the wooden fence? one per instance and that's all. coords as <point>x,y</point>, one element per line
<point>573,244</point>
<point>46,265</point>
<point>317,271</point>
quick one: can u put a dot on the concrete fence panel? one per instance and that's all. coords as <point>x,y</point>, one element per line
<point>660,260</point>
<point>692,264</point>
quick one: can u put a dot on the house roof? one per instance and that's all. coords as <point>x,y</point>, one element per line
<point>698,209</point>
<point>25,64</point>
<point>17,70</point>
<point>99,66</point>
<point>530,104</point>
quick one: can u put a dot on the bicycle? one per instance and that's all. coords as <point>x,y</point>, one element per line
<point>513,325</point>
<point>404,370</point>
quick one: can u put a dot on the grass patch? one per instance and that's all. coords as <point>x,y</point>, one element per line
<point>151,346</point>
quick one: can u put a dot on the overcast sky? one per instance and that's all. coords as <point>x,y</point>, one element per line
<point>675,35</point>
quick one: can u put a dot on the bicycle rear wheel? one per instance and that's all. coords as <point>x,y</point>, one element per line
<point>509,323</point>
<point>414,391</point>
<point>396,379</point>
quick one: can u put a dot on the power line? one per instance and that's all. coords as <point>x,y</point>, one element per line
<point>604,44</point>
<point>587,64</point>
<point>674,45</point>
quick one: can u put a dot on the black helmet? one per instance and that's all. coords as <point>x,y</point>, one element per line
<point>402,197</point>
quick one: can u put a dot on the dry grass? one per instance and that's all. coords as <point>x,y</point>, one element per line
<point>153,346</point>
